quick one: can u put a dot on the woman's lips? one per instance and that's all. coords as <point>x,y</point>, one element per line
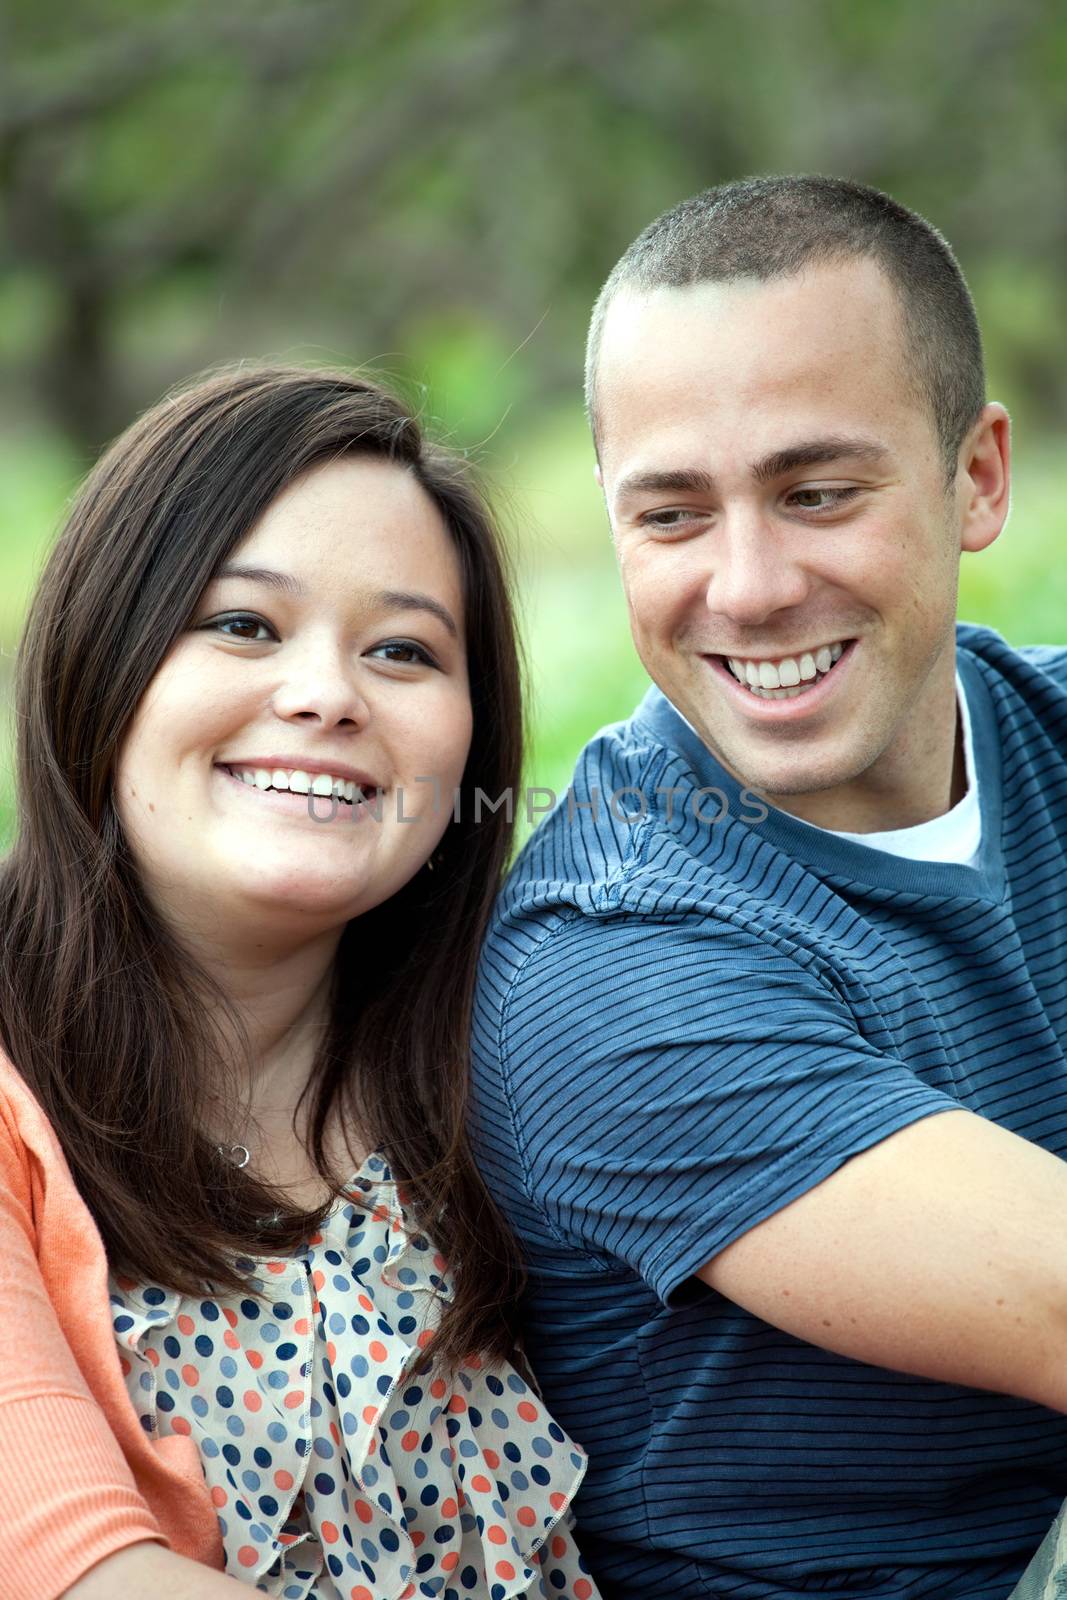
<point>317,807</point>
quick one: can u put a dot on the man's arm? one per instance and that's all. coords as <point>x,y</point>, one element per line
<point>738,1126</point>
<point>941,1251</point>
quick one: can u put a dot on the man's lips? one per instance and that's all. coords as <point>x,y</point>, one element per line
<point>784,706</point>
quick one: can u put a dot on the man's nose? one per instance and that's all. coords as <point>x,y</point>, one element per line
<point>755,572</point>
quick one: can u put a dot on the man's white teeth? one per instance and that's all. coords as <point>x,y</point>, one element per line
<point>299,782</point>
<point>784,680</point>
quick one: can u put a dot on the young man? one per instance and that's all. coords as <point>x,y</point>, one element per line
<point>771,1048</point>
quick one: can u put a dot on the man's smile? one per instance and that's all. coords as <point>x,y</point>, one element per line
<point>816,676</point>
<point>785,677</point>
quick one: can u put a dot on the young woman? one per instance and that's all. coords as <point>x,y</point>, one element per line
<point>268,668</point>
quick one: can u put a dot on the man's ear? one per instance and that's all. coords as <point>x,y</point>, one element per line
<point>984,478</point>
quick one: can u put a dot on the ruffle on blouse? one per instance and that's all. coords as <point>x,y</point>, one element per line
<point>328,1452</point>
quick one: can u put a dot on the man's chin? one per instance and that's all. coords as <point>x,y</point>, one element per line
<point>786,775</point>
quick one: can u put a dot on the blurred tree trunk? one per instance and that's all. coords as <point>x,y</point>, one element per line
<point>76,375</point>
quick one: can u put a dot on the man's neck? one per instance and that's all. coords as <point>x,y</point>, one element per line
<point>925,777</point>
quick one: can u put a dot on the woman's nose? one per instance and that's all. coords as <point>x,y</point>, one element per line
<point>322,687</point>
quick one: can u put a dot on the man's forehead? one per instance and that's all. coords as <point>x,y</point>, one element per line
<point>634,308</point>
<point>826,343</point>
<point>835,298</point>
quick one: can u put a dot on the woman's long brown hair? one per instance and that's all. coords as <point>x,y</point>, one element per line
<point>101,1010</point>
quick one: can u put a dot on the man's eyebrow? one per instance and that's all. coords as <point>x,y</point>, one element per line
<point>809,453</point>
<point>816,453</point>
<point>683,480</point>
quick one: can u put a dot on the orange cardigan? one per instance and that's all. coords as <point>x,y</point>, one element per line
<point>79,1478</point>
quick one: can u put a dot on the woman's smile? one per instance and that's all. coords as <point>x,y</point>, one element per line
<point>297,793</point>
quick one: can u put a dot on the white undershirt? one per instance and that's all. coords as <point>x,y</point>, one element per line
<point>954,837</point>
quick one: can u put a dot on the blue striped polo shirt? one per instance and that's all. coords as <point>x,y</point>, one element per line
<point>690,1011</point>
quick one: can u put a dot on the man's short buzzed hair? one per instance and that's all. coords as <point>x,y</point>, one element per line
<point>772,227</point>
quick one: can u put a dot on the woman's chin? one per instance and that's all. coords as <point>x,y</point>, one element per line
<point>301,899</point>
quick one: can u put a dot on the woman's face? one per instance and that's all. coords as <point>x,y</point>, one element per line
<point>327,653</point>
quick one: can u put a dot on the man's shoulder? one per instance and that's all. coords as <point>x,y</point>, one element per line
<point>645,827</point>
<point>585,850</point>
<point>1048,659</point>
<point>1026,668</point>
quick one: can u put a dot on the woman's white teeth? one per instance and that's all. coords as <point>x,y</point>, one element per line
<point>299,782</point>
<point>784,680</point>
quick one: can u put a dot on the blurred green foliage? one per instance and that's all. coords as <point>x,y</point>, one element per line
<point>583,671</point>
<point>437,191</point>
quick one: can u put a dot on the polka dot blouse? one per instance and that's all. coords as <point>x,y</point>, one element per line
<point>336,1473</point>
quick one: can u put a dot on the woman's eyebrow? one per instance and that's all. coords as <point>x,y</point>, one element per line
<point>408,600</point>
<point>388,599</point>
<point>283,581</point>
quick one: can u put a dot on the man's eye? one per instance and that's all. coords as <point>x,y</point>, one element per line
<point>668,520</point>
<point>822,499</point>
<point>242,625</point>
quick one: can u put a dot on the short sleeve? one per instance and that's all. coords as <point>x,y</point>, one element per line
<point>674,1084</point>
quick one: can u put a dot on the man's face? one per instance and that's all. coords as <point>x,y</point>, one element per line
<point>788,547</point>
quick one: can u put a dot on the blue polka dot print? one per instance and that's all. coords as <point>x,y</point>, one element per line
<point>336,1472</point>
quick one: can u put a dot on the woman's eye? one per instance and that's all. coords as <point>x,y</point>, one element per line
<point>242,625</point>
<point>404,651</point>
